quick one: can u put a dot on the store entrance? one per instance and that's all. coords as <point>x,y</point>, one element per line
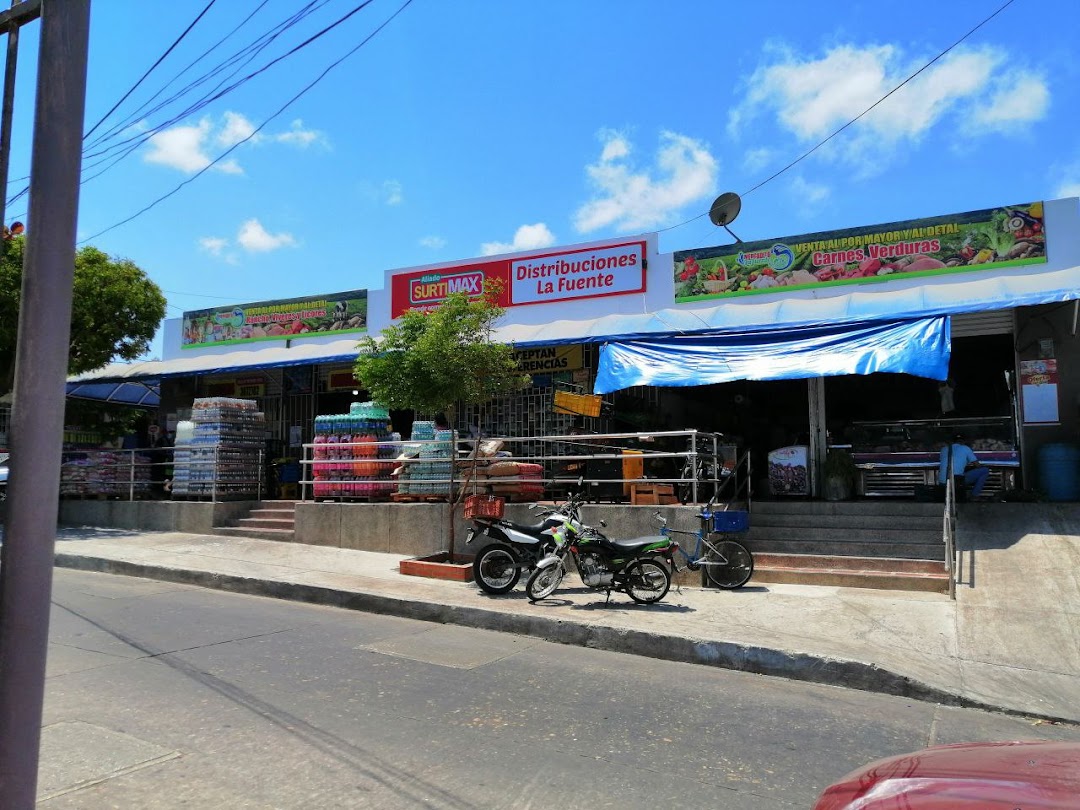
<point>977,387</point>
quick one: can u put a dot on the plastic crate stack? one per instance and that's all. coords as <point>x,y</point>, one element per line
<point>353,454</point>
<point>223,457</point>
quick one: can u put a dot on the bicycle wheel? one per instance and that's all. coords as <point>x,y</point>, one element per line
<point>647,581</point>
<point>728,564</point>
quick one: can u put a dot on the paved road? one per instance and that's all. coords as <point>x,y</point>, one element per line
<point>165,696</point>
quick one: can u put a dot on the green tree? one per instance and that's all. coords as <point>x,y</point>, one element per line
<point>116,310</point>
<point>431,362</point>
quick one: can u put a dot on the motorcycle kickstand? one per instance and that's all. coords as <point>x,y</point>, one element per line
<point>608,600</point>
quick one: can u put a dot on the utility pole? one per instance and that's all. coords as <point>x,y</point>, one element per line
<point>8,110</point>
<point>37,420</point>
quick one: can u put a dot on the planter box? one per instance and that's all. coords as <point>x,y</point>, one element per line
<point>435,566</point>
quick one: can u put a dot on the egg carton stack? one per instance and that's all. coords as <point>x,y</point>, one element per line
<point>222,457</point>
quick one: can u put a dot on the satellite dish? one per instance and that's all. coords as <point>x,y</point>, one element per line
<point>724,210</point>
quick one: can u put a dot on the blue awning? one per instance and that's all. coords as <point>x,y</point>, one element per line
<point>143,393</point>
<point>918,347</point>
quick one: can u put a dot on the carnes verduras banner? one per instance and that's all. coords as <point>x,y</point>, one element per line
<point>958,243</point>
<point>336,313</point>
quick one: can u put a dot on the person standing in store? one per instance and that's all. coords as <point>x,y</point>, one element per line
<point>964,464</point>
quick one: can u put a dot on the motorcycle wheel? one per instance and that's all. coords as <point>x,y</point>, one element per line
<point>496,569</point>
<point>729,565</point>
<point>647,581</point>
<point>544,582</point>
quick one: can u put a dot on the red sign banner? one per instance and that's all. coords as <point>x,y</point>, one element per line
<point>537,279</point>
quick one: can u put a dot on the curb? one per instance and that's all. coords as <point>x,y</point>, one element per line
<point>721,654</point>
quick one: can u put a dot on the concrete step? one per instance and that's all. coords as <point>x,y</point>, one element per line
<point>877,507</point>
<point>842,547</point>
<point>852,572</point>
<point>273,514</point>
<point>285,535</point>
<point>901,534</point>
<point>892,565</point>
<point>868,522</point>
<point>265,523</point>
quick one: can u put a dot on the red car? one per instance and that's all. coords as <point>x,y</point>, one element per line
<point>987,776</point>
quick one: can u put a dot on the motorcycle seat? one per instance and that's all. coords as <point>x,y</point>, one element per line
<point>632,544</point>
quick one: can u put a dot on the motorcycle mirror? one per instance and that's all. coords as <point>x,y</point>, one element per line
<point>603,523</point>
<point>661,518</point>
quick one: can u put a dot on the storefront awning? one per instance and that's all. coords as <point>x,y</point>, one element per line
<point>918,347</point>
<point>899,299</point>
<point>139,383</point>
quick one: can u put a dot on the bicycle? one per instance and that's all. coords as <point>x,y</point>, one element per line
<point>728,563</point>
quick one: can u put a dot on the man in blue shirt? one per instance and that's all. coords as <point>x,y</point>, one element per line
<point>964,464</point>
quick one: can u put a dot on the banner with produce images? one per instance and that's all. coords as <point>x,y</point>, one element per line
<point>338,313</point>
<point>978,240</point>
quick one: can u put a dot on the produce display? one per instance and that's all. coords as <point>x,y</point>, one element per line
<point>353,454</point>
<point>221,456</point>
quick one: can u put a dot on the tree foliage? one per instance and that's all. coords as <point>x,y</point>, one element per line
<point>429,362</point>
<point>116,310</point>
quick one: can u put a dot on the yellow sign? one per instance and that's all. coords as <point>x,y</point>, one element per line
<point>550,359</point>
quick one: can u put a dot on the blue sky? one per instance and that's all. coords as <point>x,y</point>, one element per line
<point>474,127</point>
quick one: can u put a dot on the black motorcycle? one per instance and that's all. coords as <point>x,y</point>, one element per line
<point>516,547</point>
<point>640,568</point>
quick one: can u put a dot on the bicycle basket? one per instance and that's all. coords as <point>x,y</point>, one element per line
<point>485,506</point>
<point>736,520</point>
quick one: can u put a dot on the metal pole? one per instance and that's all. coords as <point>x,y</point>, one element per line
<point>693,466</point>
<point>131,475</point>
<point>38,413</point>
<point>7,114</point>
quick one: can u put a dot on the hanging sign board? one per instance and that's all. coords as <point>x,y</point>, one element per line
<point>282,319</point>
<point>550,359</point>
<point>542,278</point>
<point>251,387</point>
<point>957,243</point>
<point>1039,391</point>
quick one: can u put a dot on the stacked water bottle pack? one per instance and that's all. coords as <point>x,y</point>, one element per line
<point>429,475</point>
<point>222,457</point>
<point>353,454</point>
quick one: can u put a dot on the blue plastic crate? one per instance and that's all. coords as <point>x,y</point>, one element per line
<point>733,521</point>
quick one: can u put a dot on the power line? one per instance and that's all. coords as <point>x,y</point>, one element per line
<point>817,146</point>
<point>151,69</point>
<point>256,131</point>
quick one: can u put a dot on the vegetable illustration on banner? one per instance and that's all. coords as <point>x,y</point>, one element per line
<point>338,313</point>
<point>978,240</point>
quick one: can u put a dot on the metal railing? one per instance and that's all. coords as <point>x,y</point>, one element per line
<point>949,531</point>
<point>198,472</point>
<point>707,467</point>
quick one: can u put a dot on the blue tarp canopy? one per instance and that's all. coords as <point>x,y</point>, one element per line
<point>919,347</point>
<point>143,393</point>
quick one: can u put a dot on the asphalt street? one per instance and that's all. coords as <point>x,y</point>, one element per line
<point>162,695</point>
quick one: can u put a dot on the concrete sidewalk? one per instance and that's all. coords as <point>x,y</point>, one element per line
<point>914,644</point>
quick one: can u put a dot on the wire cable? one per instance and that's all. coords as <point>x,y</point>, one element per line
<point>150,70</point>
<point>836,132</point>
<point>256,131</point>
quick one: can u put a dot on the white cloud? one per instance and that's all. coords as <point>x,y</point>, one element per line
<point>756,159</point>
<point>298,136</point>
<point>392,192</point>
<point>629,198</point>
<point>254,238</point>
<point>180,147</point>
<point>214,245</point>
<point>433,242</point>
<point>1068,189</point>
<point>527,237</point>
<point>808,192</point>
<point>1024,101</point>
<point>235,129</point>
<point>812,97</point>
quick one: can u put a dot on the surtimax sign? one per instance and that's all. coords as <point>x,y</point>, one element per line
<point>549,277</point>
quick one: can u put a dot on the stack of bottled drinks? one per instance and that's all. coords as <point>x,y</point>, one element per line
<point>353,454</point>
<point>224,454</point>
